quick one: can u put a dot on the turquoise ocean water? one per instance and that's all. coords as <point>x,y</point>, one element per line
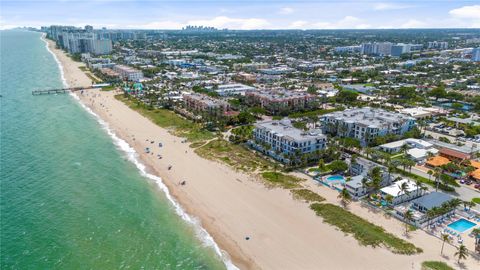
<point>71,198</point>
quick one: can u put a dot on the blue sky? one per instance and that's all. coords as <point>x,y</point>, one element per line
<point>239,14</point>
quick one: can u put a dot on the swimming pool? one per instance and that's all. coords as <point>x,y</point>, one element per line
<point>461,225</point>
<point>336,178</point>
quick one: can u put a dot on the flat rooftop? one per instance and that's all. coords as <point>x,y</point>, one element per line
<point>394,189</point>
<point>433,199</point>
<point>369,117</point>
<point>284,128</point>
<point>280,94</point>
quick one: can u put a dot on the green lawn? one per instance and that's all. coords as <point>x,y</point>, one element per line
<point>108,88</point>
<point>234,155</point>
<point>92,78</point>
<point>366,233</point>
<point>306,195</point>
<point>476,200</point>
<point>168,119</point>
<point>434,265</point>
<point>278,179</point>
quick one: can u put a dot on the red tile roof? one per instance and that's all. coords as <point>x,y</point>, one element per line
<point>453,153</point>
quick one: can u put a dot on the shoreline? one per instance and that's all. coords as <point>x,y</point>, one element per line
<point>205,238</point>
<point>285,233</point>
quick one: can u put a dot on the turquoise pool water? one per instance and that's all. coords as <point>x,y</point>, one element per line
<point>461,225</point>
<point>335,178</point>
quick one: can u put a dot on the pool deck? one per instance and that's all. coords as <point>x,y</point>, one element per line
<point>456,237</point>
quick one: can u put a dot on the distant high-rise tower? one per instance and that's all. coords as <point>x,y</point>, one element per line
<point>88,28</point>
<point>476,54</point>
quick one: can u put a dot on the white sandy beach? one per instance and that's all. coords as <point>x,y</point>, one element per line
<point>284,233</point>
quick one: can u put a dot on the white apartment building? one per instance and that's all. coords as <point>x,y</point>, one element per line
<point>282,141</point>
<point>128,73</point>
<point>366,123</point>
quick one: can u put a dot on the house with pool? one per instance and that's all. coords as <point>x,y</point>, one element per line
<point>360,169</point>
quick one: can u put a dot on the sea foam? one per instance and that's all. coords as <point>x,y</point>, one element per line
<point>206,239</point>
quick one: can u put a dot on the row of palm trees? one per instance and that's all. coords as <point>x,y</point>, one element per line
<point>462,251</point>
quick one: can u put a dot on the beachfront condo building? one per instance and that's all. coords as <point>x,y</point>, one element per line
<point>205,105</point>
<point>81,41</point>
<point>282,141</point>
<point>280,101</point>
<point>128,73</point>
<point>366,123</point>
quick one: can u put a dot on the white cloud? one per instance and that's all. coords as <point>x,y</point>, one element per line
<point>232,23</point>
<point>348,22</point>
<point>286,10</point>
<point>466,12</point>
<point>298,25</point>
<point>412,23</point>
<point>389,6</point>
<point>158,25</point>
<point>4,25</point>
<point>218,22</point>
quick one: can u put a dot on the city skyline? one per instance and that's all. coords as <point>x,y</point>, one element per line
<point>243,15</point>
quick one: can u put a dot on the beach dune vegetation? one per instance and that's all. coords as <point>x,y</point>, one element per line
<point>366,233</point>
<point>278,179</point>
<point>434,265</point>
<point>168,119</point>
<point>306,195</point>
<point>234,155</point>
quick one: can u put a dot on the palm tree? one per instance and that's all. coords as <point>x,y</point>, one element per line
<point>365,183</point>
<point>344,197</point>
<point>354,158</point>
<point>445,238</point>
<point>453,204</point>
<point>462,253</point>
<point>403,188</point>
<point>389,199</point>
<point>407,217</point>
<point>410,163</point>
<point>437,174</point>
<point>368,151</point>
<point>404,149</point>
<point>476,233</point>
<point>470,205</point>
<point>431,214</point>
<point>430,173</point>
<point>420,186</point>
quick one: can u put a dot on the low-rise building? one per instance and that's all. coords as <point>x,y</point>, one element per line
<point>398,195</point>
<point>430,200</point>
<point>366,123</point>
<point>277,70</point>
<point>128,73</point>
<point>455,152</point>
<point>282,141</point>
<point>423,112</point>
<point>280,101</point>
<point>418,150</point>
<point>233,89</point>
<point>203,104</point>
<point>360,170</point>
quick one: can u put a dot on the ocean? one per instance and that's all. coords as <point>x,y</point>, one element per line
<point>73,196</point>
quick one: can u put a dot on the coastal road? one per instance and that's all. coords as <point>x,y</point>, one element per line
<point>463,192</point>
